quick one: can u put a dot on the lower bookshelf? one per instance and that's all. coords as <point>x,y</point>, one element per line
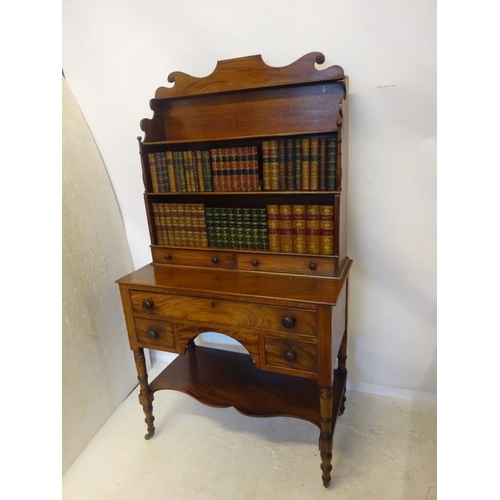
<point>223,378</point>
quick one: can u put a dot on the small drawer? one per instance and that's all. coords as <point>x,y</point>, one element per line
<point>291,355</point>
<point>212,312</point>
<point>198,258</point>
<point>154,334</point>
<point>311,265</point>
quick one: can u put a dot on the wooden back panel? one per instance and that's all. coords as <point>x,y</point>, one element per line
<point>246,98</point>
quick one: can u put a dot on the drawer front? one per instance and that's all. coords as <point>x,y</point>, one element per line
<point>312,265</point>
<point>291,355</point>
<point>154,334</point>
<point>223,312</point>
<point>200,258</point>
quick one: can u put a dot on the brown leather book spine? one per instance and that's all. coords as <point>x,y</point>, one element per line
<point>313,164</point>
<point>153,174</point>
<point>299,228</point>
<point>326,229</point>
<point>274,166</point>
<point>286,229</point>
<point>266,165</point>
<point>306,170</point>
<point>312,224</point>
<point>273,228</point>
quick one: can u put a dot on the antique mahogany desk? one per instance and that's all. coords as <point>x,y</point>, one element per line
<point>245,176</point>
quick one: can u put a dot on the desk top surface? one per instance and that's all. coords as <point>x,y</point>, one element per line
<point>229,283</point>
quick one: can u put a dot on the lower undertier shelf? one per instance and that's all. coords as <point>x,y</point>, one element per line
<point>223,379</point>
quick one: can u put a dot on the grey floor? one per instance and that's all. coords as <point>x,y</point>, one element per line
<point>384,449</point>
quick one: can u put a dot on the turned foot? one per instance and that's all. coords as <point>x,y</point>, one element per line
<point>326,434</point>
<point>326,467</point>
<point>145,394</point>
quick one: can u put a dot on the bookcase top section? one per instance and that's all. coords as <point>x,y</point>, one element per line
<point>250,72</point>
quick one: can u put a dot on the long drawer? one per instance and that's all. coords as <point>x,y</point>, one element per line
<point>223,312</point>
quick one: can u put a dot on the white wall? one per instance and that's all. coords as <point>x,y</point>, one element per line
<point>116,53</point>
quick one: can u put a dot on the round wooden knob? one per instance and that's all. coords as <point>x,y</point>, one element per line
<point>147,305</point>
<point>152,334</point>
<point>288,322</point>
<point>290,356</point>
<point>168,256</point>
<point>255,263</point>
<point>215,260</point>
<point>312,266</point>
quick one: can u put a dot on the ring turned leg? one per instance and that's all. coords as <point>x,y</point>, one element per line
<point>326,434</point>
<point>145,394</point>
<point>342,357</point>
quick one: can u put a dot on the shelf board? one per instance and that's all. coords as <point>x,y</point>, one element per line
<point>244,193</point>
<point>254,137</point>
<point>223,379</point>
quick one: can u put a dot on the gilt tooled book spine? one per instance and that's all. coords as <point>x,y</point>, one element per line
<point>281,165</point>
<point>286,229</point>
<point>313,164</point>
<point>273,228</point>
<point>326,229</point>
<point>274,166</point>
<point>306,171</point>
<point>266,165</point>
<point>289,161</point>
<point>297,164</point>
<point>322,164</point>
<point>152,172</point>
<point>331,162</point>
<point>170,172</point>
<point>312,225</point>
<point>299,228</point>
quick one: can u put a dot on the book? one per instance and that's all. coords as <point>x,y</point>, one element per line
<point>168,223</point>
<point>254,169</point>
<point>207,170</point>
<point>156,223</point>
<point>170,171</point>
<point>285,228</point>
<point>312,229</point>
<point>274,166</point>
<point>299,228</point>
<point>326,229</point>
<point>322,164</point>
<point>152,173</point>
<point>281,165</point>
<point>305,163</point>
<point>273,227</point>
<point>313,164</point>
<point>223,169</point>
<point>289,168</point>
<point>331,162</point>
<point>297,164</point>
<point>177,241</point>
<point>266,165</point>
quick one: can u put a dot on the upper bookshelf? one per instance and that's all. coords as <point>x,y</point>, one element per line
<point>248,159</point>
<point>247,100</point>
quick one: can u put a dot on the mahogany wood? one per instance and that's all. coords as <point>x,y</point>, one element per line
<point>289,311</point>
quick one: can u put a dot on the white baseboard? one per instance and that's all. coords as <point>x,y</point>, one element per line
<point>394,392</point>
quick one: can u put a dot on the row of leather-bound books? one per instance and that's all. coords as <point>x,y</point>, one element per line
<point>304,163</point>
<point>302,229</point>
<point>194,225</point>
<point>300,163</point>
